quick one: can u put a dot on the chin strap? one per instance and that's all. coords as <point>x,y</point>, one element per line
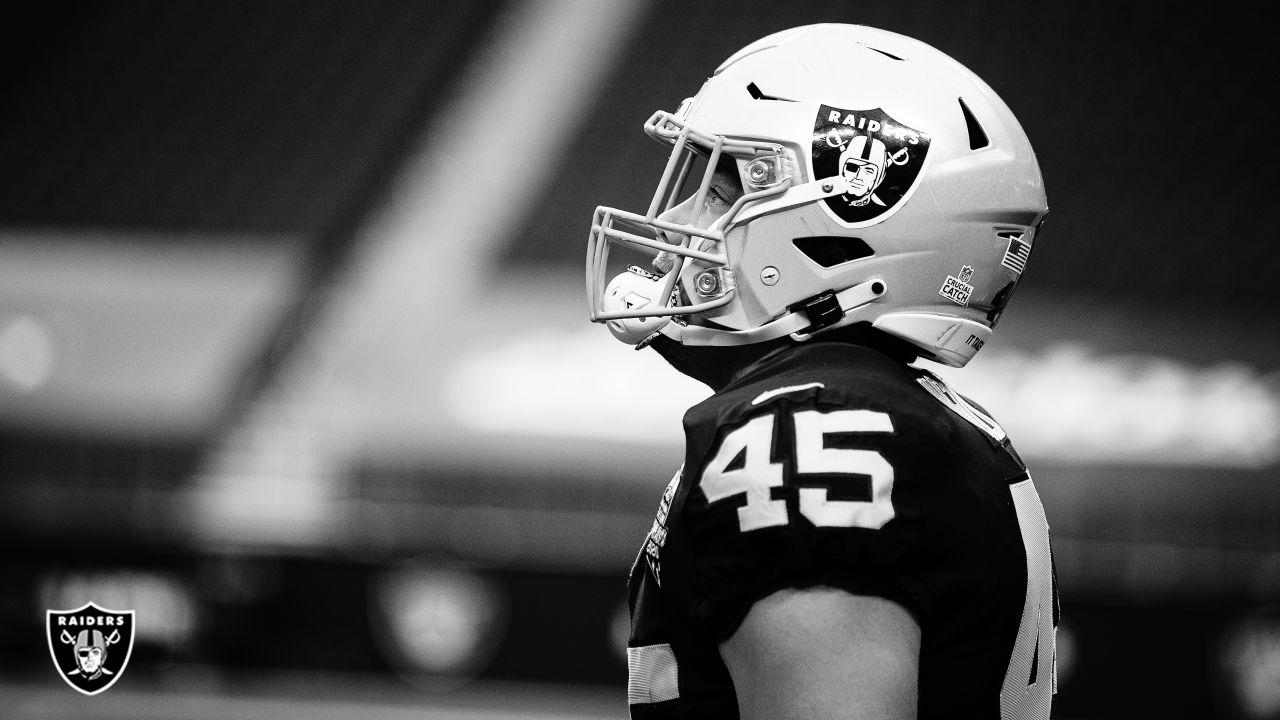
<point>804,319</point>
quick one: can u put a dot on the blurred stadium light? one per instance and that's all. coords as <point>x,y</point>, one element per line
<point>1248,659</point>
<point>166,610</point>
<point>26,353</point>
<point>134,334</point>
<point>1138,409</point>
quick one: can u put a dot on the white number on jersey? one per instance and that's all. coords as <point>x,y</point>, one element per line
<point>756,476</point>
<point>1031,680</point>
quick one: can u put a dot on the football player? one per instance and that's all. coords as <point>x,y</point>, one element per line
<point>847,537</point>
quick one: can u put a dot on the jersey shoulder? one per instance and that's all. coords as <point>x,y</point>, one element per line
<point>827,377</point>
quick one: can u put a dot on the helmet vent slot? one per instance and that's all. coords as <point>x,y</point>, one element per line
<point>977,136</point>
<point>758,94</point>
<point>889,55</point>
<point>831,250</point>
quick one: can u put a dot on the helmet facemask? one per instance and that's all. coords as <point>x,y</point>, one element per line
<point>670,267</point>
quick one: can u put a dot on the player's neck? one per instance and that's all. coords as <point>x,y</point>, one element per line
<point>718,367</point>
<point>715,367</point>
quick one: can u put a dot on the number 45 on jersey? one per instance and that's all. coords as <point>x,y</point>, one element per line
<point>743,466</point>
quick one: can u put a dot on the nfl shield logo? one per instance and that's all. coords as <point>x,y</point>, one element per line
<point>90,645</point>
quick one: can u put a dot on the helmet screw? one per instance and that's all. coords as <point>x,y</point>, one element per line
<point>826,187</point>
<point>757,172</point>
<point>769,275</point>
<point>707,283</point>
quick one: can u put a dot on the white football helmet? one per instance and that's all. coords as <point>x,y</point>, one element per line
<point>879,181</point>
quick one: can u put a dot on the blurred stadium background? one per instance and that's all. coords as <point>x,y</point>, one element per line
<point>294,358</point>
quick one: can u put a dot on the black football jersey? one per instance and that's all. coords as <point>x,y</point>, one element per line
<point>835,465</point>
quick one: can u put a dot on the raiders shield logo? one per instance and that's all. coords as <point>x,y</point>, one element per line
<point>878,158</point>
<point>90,645</point>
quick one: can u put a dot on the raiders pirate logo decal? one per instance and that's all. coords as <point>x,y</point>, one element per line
<point>878,159</point>
<point>90,645</point>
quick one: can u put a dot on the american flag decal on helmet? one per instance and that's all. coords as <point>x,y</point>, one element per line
<point>1015,258</point>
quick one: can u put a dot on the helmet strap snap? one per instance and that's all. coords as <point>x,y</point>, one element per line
<point>822,310</point>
